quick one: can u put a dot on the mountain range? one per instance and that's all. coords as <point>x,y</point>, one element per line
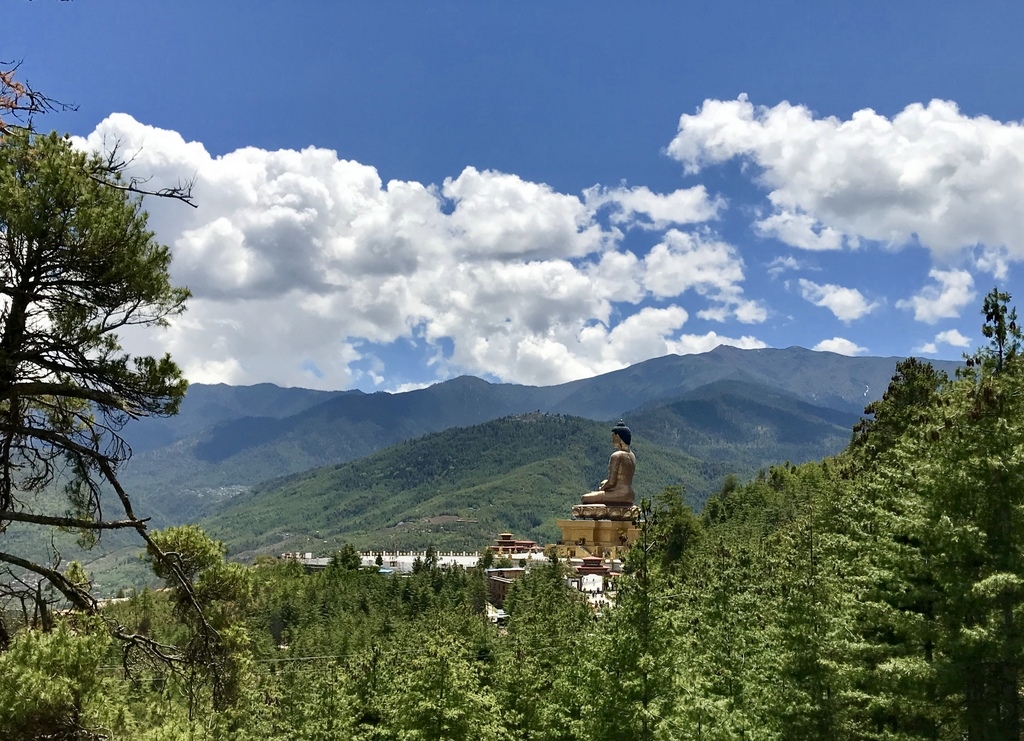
<point>269,469</point>
<point>228,438</point>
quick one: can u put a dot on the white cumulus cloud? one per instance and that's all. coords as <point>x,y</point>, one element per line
<point>301,263</point>
<point>685,261</point>
<point>840,345</point>
<point>951,337</point>
<point>799,230</point>
<point>639,206</point>
<point>953,182</point>
<point>945,299</point>
<point>846,303</point>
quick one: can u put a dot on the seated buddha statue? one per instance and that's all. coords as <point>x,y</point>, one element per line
<point>617,489</point>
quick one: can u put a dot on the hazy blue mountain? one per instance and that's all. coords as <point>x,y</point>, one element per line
<point>821,378</point>
<point>224,412</point>
<point>459,487</point>
<point>739,427</point>
<point>192,474</point>
<point>207,405</point>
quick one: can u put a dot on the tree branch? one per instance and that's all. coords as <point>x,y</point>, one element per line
<point>70,522</point>
<point>81,599</point>
<point>45,388</point>
<point>161,651</point>
<point>20,102</point>
<point>181,192</point>
<point>41,388</point>
<point>108,472</point>
<point>111,171</point>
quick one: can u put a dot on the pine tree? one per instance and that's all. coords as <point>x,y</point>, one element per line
<point>51,686</point>
<point>437,692</point>
<point>633,652</point>
<point>958,517</point>
<point>540,678</point>
<point>77,267</point>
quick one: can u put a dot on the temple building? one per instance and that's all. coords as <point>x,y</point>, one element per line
<point>506,545</point>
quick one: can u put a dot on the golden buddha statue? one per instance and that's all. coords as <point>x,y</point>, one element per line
<point>617,489</point>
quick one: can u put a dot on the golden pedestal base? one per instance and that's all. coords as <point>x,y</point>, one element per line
<point>605,538</point>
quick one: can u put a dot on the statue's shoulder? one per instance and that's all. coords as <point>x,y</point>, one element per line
<point>623,454</point>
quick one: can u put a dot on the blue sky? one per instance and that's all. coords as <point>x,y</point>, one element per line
<point>396,193</point>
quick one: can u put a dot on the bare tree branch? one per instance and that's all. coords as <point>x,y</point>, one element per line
<point>19,102</point>
<point>112,174</point>
<point>67,390</point>
<point>77,596</point>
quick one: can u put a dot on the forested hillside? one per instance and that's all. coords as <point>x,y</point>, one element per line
<point>452,489</point>
<point>459,487</point>
<point>518,474</point>
<point>739,427</point>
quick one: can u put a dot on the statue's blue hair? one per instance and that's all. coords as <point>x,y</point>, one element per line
<point>623,432</point>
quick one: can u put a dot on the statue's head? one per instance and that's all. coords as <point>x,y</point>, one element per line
<point>622,431</point>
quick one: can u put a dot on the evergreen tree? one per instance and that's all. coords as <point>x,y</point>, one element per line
<point>540,681</point>
<point>634,654</point>
<point>1001,329</point>
<point>77,266</point>
<point>952,582</point>
<point>437,692</point>
<point>347,558</point>
<point>213,650</point>
<point>51,686</point>
<point>675,530</point>
<point>911,390</point>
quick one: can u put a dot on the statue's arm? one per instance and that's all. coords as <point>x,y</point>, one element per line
<point>613,473</point>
